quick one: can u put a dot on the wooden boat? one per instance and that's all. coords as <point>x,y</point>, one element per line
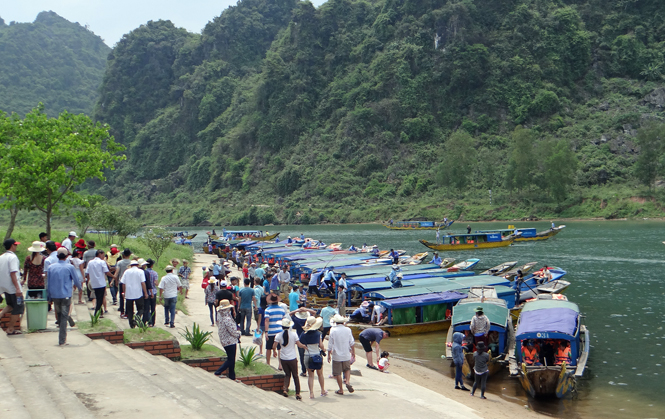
<point>549,322</point>
<point>501,327</point>
<point>418,225</point>
<point>184,235</point>
<point>385,253</point>
<point>470,241</point>
<point>499,269</point>
<point>269,237</point>
<point>447,262</point>
<point>415,259</point>
<point>464,265</point>
<point>510,275</point>
<point>335,246</point>
<point>527,234</point>
<point>414,315</point>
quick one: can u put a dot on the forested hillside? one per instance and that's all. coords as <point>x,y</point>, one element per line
<point>363,110</point>
<point>52,61</point>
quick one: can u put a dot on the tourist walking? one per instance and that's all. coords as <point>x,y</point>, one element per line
<point>228,336</point>
<point>480,369</point>
<point>135,291</point>
<point>327,314</point>
<point>169,287</point>
<point>342,351</point>
<point>273,316</point>
<point>120,268</point>
<point>61,276</point>
<point>151,279</point>
<point>311,341</point>
<point>458,360</point>
<point>96,273</point>
<point>341,294</point>
<point>9,284</point>
<point>372,337</point>
<point>183,273</point>
<point>210,292</point>
<point>246,296</point>
<point>285,281</point>
<point>288,339</point>
<point>33,268</point>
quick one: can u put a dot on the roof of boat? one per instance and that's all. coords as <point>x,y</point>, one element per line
<point>426,299</point>
<point>556,316</point>
<point>496,313</point>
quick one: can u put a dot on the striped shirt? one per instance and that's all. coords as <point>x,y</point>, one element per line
<point>274,314</point>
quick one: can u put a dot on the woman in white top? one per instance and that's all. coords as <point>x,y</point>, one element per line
<point>289,356</point>
<point>78,264</point>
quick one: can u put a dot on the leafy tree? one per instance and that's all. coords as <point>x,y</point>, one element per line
<point>83,216</point>
<point>157,240</point>
<point>559,167</point>
<point>113,222</point>
<point>522,159</point>
<point>458,161</point>
<point>48,157</point>
<point>649,164</point>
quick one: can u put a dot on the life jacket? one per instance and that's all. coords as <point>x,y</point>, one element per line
<point>562,355</point>
<point>530,356</point>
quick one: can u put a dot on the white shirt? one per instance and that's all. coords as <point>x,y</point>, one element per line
<point>284,277</point>
<point>341,283</point>
<point>52,258</point>
<point>66,243</point>
<point>8,264</point>
<point>170,283</point>
<point>340,343</point>
<point>132,278</point>
<point>288,352</point>
<point>96,271</point>
<point>377,312</point>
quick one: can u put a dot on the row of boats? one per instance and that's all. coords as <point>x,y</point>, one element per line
<point>442,296</point>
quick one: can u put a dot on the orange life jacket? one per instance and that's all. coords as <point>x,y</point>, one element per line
<point>530,356</point>
<point>562,355</point>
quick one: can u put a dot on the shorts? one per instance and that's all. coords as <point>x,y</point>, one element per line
<point>270,343</point>
<point>17,309</point>
<point>381,367</point>
<point>339,367</point>
<point>367,345</point>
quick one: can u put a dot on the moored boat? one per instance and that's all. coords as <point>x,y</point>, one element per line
<point>524,268</point>
<point>465,265</point>
<point>414,260</point>
<point>527,234</point>
<point>418,225</point>
<point>560,348</point>
<point>499,269</point>
<point>470,241</point>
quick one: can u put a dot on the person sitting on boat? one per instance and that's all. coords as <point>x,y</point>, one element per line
<point>377,315</point>
<point>289,240</point>
<point>467,342</point>
<point>361,314</point>
<point>553,226</point>
<point>530,354</point>
<point>302,236</point>
<point>436,260</point>
<point>543,275</point>
<point>393,273</point>
<point>394,256</point>
<point>375,251</point>
<point>563,353</point>
<point>494,343</point>
<point>353,249</point>
<point>480,326</point>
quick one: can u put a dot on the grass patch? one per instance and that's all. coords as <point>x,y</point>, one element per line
<point>207,351</point>
<point>256,368</point>
<point>150,335</point>
<point>103,325</point>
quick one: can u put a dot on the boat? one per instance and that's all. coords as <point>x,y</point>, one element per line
<point>470,241</point>
<point>511,274</point>
<point>415,259</point>
<point>415,314</point>
<point>501,326</point>
<point>447,262</point>
<point>527,234</point>
<point>184,235</point>
<point>464,265</point>
<point>499,269</point>
<point>548,322</point>
<point>256,235</point>
<point>418,225</point>
<point>335,246</point>
<point>386,253</point>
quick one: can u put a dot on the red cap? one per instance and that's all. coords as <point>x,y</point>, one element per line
<point>58,245</point>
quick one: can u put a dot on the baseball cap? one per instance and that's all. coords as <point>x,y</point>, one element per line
<point>10,242</point>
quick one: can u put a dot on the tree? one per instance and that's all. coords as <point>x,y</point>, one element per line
<point>112,222</point>
<point>459,158</point>
<point>522,159</point>
<point>649,164</point>
<point>559,166</point>
<point>157,240</point>
<point>48,157</point>
<point>83,216</point>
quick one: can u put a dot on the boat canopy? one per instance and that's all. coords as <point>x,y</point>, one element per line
<point>488,236</point>
<point>526,232</point>
<point>556,316</point>
<point>497,314</point>
<point>423,300</point>
<point>242,231</point>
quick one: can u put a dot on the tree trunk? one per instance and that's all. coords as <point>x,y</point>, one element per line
<point>48,222</point>
<point>13,210</point>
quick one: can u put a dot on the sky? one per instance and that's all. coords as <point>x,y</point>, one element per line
<point>111,19</point>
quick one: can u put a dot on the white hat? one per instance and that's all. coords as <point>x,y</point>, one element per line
<point>400,275</point>
<point>73,233</point>
<point>312,323</point>
<point>287,322</point>
<point>339,319</point>
<point>63,251</point>
<point>134,263</point>
<point>222,283</point>
<point>37,247</point>
<point>169,268</point>
<point>142,262</point>
<point>375,246</point>
<point>114,245</point>
<point>302,315</point>
<point>224,305</point>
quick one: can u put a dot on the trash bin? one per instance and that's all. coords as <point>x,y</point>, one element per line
<point>36,308</point>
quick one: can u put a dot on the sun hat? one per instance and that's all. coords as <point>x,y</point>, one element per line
<point>134,263</point>
<point>400,275</point>
<point>339,319</point>
<point>80,244</point>
<point>312,323</point>
<point>479,309</point>
<point>169,268</point>
<point>224,305</point>
<point>287,322</point>
<point>302,315</point>
<point>212,280</point>
<point>273,298</point>
<point>142,262</point>
<point>211,267</point>
<point>114,245</point>
<point>72,233</point>
<point>37,247</point>
<point>375,246</point>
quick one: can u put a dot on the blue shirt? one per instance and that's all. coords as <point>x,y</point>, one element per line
<point>259,272</point>
<point>294,297</point>
<point>274,282</point>
<point>246,295</point>
<point>274,314</point>
<point>436,260</point>
<point>60,278</point>
<point>215,269</point>
<point>326,314</point>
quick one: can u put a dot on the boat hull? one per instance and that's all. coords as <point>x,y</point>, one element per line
<point>402,329</point>
<point>554,381</point>
<point>494,366</point>
<point>266,238</point>
<point>467,246</point>
<point>543,235</point>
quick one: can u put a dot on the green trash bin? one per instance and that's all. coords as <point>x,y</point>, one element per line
<point>36,308</point>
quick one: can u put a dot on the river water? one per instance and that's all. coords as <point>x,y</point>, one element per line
<point>616,271</point>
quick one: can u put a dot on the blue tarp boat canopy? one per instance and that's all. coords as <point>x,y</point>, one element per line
<point>548,316</point>
<point>421,300</point>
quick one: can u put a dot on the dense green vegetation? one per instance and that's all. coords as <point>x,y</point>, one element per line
<point>363,110</point>
<point>52,61</point>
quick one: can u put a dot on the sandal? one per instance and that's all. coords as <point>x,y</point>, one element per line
<point>298,397</point>
<point>340,392</point>
<point>15,332</point>
<point>324,394</point>
<point>350,388</point>
<point>285,393</point>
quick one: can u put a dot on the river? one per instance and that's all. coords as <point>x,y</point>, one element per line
<point>615,268</point>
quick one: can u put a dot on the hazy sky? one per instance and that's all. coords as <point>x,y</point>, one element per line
<point>111,19</point>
